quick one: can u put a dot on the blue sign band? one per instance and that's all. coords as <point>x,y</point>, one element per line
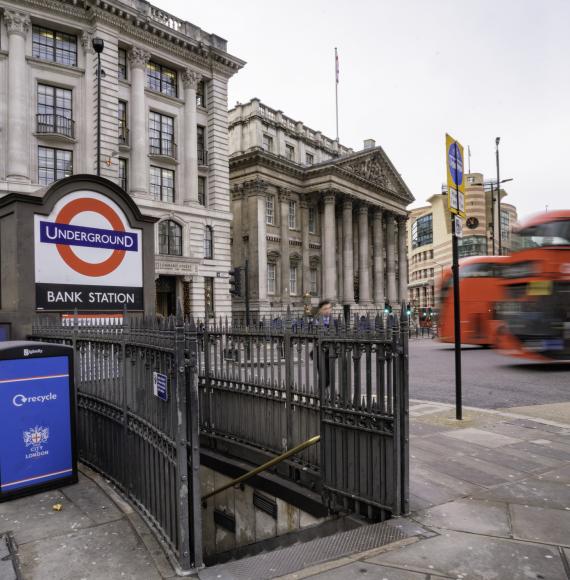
<point>70,235</point>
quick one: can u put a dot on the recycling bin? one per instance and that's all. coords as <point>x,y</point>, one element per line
<point>38,447</point>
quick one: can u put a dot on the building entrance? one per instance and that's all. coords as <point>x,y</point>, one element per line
<point>166,295</point>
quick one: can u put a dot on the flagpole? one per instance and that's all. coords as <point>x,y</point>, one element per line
<point>336,88</point>
<point>469,157</point>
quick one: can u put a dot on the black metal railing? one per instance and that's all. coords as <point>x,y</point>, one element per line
<point>253,393</point>
<point>202,157</point>
<point>55,125</point>
<point>123,134</point>
<point>164,147</point>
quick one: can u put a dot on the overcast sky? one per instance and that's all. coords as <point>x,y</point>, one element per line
<point>410,71</point>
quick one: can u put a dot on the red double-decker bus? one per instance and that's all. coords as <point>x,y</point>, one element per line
<point>480,291</point>
<point>534,315</point>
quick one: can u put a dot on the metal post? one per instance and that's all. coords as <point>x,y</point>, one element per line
<point>456,323</point>
<point>247,314</point>
<point>494,226</point>
<point>182,484</point>
<point>499,242</point>
<point>98,113</point>
<point>288,352</point>
<point>193,414</point>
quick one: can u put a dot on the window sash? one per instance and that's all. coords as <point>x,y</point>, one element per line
<point>170,238</point>
<point>270,211</point>
<point>209,243</point>
<point>293,280</point>
<point>54,164</point>
<point>162,183</point>
<point>123,175</point>
<point>54,46</point>
<point>313,281</point>
<point>54,101</point>
<point>123,70</point>
<point>292,215</point>
<point>202,190</point>
<point>271,278</point>
<point>162,79</point>
<point>312,220</point>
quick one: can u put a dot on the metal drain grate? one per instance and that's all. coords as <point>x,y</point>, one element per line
<point>9,562</point>
<point>300,556</point>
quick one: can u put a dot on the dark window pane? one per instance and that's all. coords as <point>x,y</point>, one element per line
<point>54,46</point>
<point>122,64</point>
<point>54,164</point>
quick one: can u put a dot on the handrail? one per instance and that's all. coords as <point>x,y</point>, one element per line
<point>266,465</point>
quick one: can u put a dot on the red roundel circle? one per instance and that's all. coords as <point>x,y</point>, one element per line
<point>65,216</point>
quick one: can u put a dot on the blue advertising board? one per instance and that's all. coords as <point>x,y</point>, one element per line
<point>37,431</point>
<point>160,385</point>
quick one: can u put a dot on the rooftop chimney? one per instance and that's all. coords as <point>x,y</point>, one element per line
<point>369,143</point>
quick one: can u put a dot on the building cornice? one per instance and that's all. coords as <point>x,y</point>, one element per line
<point>145,29</point>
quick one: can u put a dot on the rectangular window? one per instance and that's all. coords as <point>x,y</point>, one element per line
<point>122,64</point>
<point>123,125</point>
<point>313,280</point>
<point>209,243</point>
<point>209,297</point>
<point>162,79</point>
<point>293,280</point>
<point>54,46</point>
<point>267,143</point>
<point>270,210</point>
<point>290,152</point>
<point>271,278</point>
<point>201,94</point>
<point>292,215</point>
<point>309,159</point>
<point>123,173</point>
<point>422,231</point>
<point>202,190</point>
<point>201,137</point>
<point>312,220</point>
<point>504,226</point>
<point>55,110</point>
<point>161,134</point>
<point>54,164</point>
<point>162,184</point>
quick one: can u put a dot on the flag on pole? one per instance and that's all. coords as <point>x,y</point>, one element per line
<point>469,158</point>
<point>336,65</point>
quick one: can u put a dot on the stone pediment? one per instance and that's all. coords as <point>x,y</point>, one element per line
<point>377,169</point>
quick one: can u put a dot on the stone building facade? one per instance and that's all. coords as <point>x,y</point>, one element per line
<point>164,125</point>
<point>313,219</point>
<point>429,236</point>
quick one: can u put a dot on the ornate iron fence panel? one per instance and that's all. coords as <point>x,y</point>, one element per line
<point>145,444</point>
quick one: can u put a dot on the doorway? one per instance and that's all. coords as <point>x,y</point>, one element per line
<point>166,295</point>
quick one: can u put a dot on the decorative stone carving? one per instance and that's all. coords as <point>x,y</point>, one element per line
<point>191,79</point>
<point>363,209</point>
<point>369,167</point>
<point>284,194</point>
<point>255,187</point>
<point>138,57</point>
<point>87,42</point>
<point>17,22</point>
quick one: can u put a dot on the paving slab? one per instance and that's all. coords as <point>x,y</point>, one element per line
<point>91,554</point>
<point>475,436</point>
<point>32,517</point>
<point>475,557</point>
<point>539,524</point>
<point>559,412</point>
<point>531,491</point>
<point>368,570</point>
<point>473,516</point>
<point>92,501</point>
<point>560,474</point>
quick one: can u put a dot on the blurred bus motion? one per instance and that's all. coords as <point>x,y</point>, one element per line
<point>480,291</point>
<point>534,315</point>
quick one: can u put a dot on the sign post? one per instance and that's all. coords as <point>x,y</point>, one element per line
<point>456,203</point>
<point>37,406</point>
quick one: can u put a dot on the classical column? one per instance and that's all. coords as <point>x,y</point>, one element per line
<point>190,81</point>
<point>17,25</point>
<point>364,266</point>
<point>329,247</point>
<point>391,258</point>
<point>305,240</point>
<point>402,259</point>
<point>348,283</point>
<point>378,233</point>
<point>284,198</point>
<point>339,258</point>
<point>88,142</point>
<point>255,238</point>
<point>138,57</point>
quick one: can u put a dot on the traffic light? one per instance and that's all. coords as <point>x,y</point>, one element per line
<point>235,281</point>
<point>387,308</point>
<point>408,309</point>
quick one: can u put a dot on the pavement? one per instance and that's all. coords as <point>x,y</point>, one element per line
<point>490,500</point>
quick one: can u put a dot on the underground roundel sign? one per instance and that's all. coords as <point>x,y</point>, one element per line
<point>87,256</point>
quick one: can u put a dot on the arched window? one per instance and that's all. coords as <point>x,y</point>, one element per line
<point>209,243</point>
<point>170,238</point>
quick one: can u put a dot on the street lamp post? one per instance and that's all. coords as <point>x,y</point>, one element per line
<point>498,225</point>
<point>98,46</point>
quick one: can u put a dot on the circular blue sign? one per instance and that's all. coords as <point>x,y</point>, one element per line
<point>455,163</point>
